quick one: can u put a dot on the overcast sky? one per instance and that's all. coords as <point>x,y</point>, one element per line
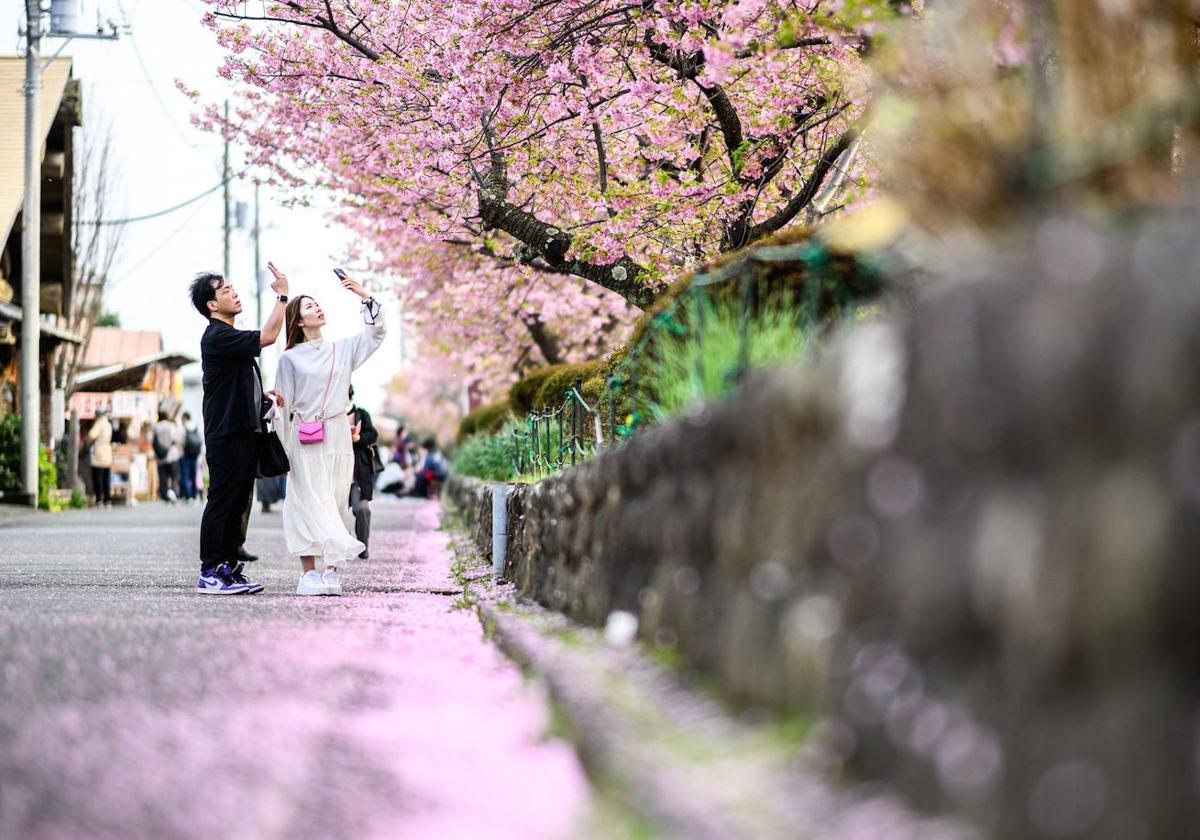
<point>129,85</point>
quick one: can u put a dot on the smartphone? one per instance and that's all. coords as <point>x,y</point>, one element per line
<point>341,274</point>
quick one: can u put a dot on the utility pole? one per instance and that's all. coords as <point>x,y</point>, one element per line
<point>62,21</point>
<point>225,177</point>
<point>258,275</point>
<point>31,245</point>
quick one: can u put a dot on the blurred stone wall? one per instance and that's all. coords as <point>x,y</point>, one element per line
<point>969,535</point>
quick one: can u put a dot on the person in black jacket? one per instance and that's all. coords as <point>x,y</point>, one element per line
<point>234,405</point>
<point>366,464</point>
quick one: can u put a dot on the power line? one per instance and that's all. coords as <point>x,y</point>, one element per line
<point>158,213</point>
<point>137,54</point>
<point>167,240</point>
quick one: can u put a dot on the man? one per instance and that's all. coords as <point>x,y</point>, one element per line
<point>168,449</point>
<point>233,408</point>
<point>363,436</point>
<point>189,464</point>
<point>404,456</point>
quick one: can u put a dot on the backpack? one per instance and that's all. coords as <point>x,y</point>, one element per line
<point>436,463</point>
<point>192,443</point>
<point>160,451</point>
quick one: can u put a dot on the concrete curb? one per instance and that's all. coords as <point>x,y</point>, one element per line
<point>18,514</point>
<point>680,760</point>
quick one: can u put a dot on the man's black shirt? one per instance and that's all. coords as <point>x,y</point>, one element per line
<point>232,389</point>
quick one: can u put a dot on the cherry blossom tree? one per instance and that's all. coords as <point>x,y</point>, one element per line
<point>540,143</point>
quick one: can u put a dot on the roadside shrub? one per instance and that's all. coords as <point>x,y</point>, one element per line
<point>487,456</point>
<point>10,453</point>
<point>47,478</point>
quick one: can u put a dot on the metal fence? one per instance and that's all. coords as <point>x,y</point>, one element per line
<point>557,438</point>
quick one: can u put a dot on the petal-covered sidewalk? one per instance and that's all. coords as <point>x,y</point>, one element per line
<point>132,707</point>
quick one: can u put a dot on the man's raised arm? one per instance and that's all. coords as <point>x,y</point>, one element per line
<point>274,323</point>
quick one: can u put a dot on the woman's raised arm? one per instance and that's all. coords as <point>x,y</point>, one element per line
<point>368,341</point>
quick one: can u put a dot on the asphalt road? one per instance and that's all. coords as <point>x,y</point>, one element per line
<point>132,707</point>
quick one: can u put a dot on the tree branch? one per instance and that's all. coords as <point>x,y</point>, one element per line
<point>545,340</point>
<point>688,68</point>
<point>331,25</point>
<point>625,277</point>
<point>807,193</point>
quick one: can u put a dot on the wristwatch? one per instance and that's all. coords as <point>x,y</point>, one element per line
<point>281,298</point>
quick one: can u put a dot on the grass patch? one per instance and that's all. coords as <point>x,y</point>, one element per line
<point>569,636</point>
<point>667,656</point>
<point>792,730</point>
<point>466,601</point>
<point>698,360</point>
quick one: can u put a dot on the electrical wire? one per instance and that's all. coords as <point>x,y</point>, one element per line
<point>137,54</point>
<point>126,271</point>
<point>157,213</point>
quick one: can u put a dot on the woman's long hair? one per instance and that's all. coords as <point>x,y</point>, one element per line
<point>291,320</point>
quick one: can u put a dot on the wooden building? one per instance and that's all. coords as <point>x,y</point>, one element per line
<point>60,109</point>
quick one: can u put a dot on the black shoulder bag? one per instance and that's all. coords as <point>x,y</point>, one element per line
<point>271,459</point>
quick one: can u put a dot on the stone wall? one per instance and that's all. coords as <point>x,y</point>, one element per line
<point>969,534</point>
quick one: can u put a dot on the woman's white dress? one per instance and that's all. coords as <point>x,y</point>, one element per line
<point>316,512</point>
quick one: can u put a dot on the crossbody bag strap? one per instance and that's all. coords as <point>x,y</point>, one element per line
<point>328,383</point>
<point>262,390</point>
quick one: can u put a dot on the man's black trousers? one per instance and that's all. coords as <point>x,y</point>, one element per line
<point>231,467</point>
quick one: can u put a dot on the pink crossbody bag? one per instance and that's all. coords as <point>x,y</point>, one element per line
<point>313,431</point>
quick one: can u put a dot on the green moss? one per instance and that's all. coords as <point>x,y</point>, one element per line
<point>523,393</point>
<point>546,387</point>
<point>561,379</point>
<point>489,418</point>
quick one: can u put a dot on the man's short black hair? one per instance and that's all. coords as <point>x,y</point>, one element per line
<point>187,415</point>
<point>430,444</point>
<point>204,288</point>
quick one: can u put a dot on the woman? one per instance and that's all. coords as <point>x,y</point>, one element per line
<point>313,380</point>
<point>101,438</point>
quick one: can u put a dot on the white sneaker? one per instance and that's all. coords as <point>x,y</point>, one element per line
<point>333,586</point>
<point>311,584</point>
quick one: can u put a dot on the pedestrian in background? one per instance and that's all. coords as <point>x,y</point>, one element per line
<point>167,440</point>
<point>270,491</point>
<point>189,464</point>
<point>100,437</point>
<point>431,471</point>
<point>404,455</point>
<point>363,436</point>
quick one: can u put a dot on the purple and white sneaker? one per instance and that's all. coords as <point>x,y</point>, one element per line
<point>221,581</point>
<point>238,577</point>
